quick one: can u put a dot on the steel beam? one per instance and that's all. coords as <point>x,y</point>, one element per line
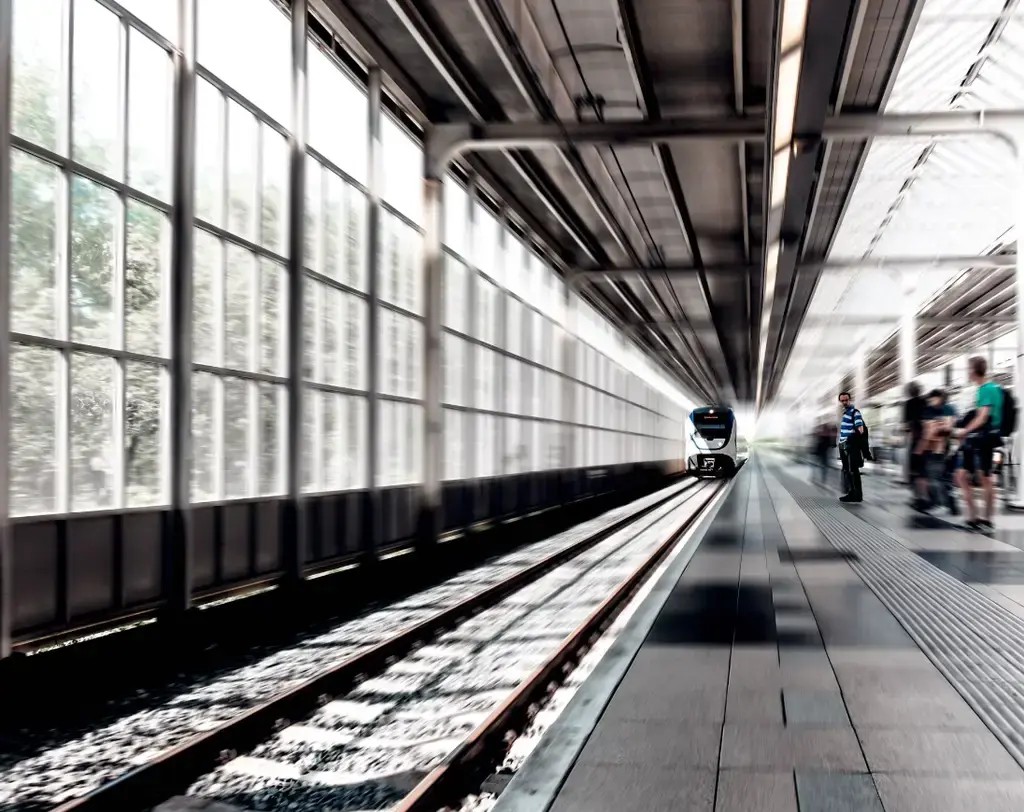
<point>580,276</point>
<point>178,541</point>
<point>6,552</point>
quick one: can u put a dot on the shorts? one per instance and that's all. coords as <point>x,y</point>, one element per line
<point>976,456</point>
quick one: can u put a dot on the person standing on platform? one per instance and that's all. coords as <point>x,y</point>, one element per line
<point>913,425</point>
<point>978,442</point>
<point>850,448</point>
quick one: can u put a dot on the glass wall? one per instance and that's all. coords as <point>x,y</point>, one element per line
<point>93,115</point>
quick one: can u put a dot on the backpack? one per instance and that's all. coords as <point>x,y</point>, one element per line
<point>865,439</point>
<point>1009,424</point>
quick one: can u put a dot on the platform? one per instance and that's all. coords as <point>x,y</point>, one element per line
<point>811,656</point>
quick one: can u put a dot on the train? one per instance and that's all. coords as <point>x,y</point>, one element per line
<point>711,442</point>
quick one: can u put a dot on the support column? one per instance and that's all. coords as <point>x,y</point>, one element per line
<point>1016,502</point>
<point>433,434</point>
<point>295,535</point>
<point>375,176</point>
<point>6,553</point>
<point>469,396</point>
<point>178,539</point>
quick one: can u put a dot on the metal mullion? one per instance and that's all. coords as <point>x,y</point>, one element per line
<point>127,17</point>
<point>241,100</point>
<point>402,218</point>
<point>339,390</point>
<point>63,281</point>
<point>230,237</point>
<point>330,282</point>
<point>255,332</point>
<point>469,392</point>
<point>501,328</point>
<point>6,541</point>
<point>240,374</point>
<point>75,346</point>
<point>328,164</point>
<point>57,160</point>
<point>317,292</point>
<point>120,281</point>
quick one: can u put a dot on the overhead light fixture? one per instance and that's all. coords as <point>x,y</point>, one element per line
<point>792,29</point>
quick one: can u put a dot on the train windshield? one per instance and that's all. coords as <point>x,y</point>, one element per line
<point>712,428</point>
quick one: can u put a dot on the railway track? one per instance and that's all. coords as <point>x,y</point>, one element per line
<point>99,766</point>
<point>464,695</point>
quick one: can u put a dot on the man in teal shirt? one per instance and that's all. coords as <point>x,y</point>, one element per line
<point>979,439</point>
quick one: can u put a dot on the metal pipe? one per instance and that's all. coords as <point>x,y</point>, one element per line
<point>582,276</point>
<point>179,540</point>
<point>374,181</point>
<point>6,202</point>
<point>295,540</point>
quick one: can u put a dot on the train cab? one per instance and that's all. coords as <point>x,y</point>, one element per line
<point>711,442</point>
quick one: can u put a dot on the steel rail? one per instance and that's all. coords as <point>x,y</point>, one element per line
<point>470,763</point>
<point>174,770</point>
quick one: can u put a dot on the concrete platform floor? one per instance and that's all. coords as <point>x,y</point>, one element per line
<point>784,671</point>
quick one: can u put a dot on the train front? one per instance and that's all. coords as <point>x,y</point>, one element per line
<point>711,442</point>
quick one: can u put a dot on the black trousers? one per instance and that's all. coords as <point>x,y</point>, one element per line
<point>851,459</point>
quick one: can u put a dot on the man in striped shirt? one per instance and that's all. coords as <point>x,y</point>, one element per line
<point>851,425</point>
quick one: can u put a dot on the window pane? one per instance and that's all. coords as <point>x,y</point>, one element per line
<point>150,116</point>
<point>38,55</point>
<point>96,106</point>
<point>332,445</point>
<point>355,243</point>
<point>94,213</point>
<point>403,170</point>
<point>334,226</point>
<point>144,404</point>
<point>33,430</point>
<point>258,65</point>
<point>237,307</point>
<point>207,287</point>
<point>205,420</point>
<point>456,215</point>
<point>355,321</point>
<point>236,438</point>
<point>242,163</point>
<point>33,246</point>
<point>270,449</point>
<point>330,335</point>
<point>315,181</point>
<point>455,304</point>
<point>210,113</point>
<point>355,446</point>
<point>145,279</point>
<point>273,279</point>
<point>311,445</point>
<point>93,456</point>
<point>337,115</point>
<point>274,225</point>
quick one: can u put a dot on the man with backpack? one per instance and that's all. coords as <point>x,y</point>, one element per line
<point>995,415</point>
<point>853,448</point>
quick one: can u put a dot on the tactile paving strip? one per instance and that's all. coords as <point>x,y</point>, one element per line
<point>976,644</point>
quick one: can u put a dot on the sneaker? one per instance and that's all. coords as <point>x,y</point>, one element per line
<point>973,525</point>
<point>851,498</point>
<point>986,526</point>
